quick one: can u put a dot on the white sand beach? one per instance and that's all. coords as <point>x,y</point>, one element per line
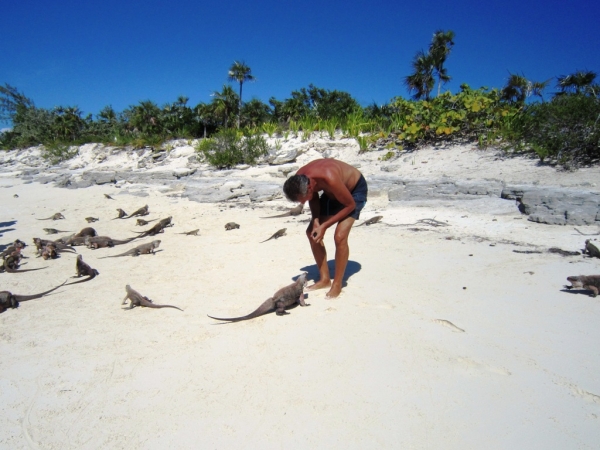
<point>442,338</point>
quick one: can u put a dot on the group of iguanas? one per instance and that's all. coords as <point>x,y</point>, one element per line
<point>279,302</point>
<point>50,249</point>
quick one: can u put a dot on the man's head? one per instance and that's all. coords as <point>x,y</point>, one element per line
<point>296,187</point>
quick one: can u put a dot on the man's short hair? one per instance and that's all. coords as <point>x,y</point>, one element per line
<point>295,186</point>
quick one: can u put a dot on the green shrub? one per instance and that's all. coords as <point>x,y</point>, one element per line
<point>295,127</point>
<point>565,130</point>
<point>228,148</point>
<point>363,143</point>
<point>389,155</point>
<point>56,152</point>
<point>307,123</point>
<point>331,125</point>
<point>269,127</point>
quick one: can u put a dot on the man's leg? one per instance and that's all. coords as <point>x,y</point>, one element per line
<point>320,255</point>
<point>342,253</point>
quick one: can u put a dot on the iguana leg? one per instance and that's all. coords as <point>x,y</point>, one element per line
<point>281,309</point>
<point>301,300</point>
<point>594,289</point>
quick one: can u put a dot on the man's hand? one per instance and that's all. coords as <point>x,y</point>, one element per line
<point>318,231</point>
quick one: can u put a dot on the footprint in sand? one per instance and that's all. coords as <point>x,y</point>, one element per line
<point>373,306</point>
<point>590,397</point>
<point>475,367</point>
<point>448,324</point>
<point>577,390</point>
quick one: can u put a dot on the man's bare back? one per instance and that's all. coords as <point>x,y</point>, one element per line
<point>328,173</point>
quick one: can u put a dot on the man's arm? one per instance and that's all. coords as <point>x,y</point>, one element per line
<point>337,189</point>
<point>343,196</point>
<point>315,206</point>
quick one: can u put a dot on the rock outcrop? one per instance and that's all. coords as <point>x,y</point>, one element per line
<point>179,164</point>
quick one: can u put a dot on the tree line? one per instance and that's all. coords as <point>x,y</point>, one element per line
<point>564,128</point>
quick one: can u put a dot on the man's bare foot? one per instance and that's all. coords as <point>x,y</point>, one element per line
<point>334,292</point>
<point>322,284</point>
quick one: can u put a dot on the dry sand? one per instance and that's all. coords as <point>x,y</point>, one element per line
<point>443,337</point>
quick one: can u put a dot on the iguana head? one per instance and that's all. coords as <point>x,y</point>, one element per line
<point>302,279</point>
<point>575,281</point>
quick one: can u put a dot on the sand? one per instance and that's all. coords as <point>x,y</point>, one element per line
<point>443,337</point>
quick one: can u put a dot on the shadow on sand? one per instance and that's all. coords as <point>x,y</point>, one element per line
<point>313,271</point>
<point>4,227</point>
<point>578,291</point>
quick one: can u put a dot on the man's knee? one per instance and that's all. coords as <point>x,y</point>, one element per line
<point>340,238</point>
<point>342,231</point>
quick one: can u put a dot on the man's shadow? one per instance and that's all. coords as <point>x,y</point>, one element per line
<point>313,271</point>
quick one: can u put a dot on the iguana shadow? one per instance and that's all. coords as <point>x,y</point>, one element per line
<point>577,291</point>
<point>313,271</point>
<point>4,226</point>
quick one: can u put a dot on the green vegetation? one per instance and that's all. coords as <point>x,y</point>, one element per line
<point>56,153</point>
<point>564,129</point>
<point>230,147</point>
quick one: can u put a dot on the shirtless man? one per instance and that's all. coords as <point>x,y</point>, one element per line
<point>344,195</point>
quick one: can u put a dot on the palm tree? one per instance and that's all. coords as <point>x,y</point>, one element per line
<point>68,122</point>
<point>538,88</point>
<point>240,72</point>
<point>439,49</point>
<point>225,103</point>
<point>178,118</point>
<point>107,115</point>
<point>421,80</point>
<point>517,89</point>
<point>255,113</point>
<point>576,82</point>
<point>145,117</point>
<point>204,115</point>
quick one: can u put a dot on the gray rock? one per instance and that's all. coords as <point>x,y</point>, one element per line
<point>63,180</point>
<point>29,172</point>
<point>48,178</point>
<point>549,219</point>
<point>282,156</point>
<point>265,193</point>
<point>159,156</point>
<point>426,189</point>
<point>287,170</point>
<point>487,188</point>
<point>146,177</point>
<point>80,184</point>
<point>98,177</point>
<point>556,206</point>
<point>183,172</point>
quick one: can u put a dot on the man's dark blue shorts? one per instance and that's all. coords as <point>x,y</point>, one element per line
<point>330,206</point>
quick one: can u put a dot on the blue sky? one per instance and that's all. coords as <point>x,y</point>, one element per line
<point>119,52</point>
